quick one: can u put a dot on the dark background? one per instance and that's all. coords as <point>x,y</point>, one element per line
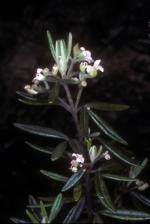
<point>115,31</point>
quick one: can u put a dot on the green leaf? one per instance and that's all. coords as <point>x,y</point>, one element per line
<point>36,103</point>
<point>52,49</point>
<point>141,198</point>
<point>26,96</point>
<point>75,212</point>
<point>128,215</point>
<point>103,106</point>
<point>18,221</point>
<point>117,177</point>
<point>76,51</point>
<point>77,192</point>
<point>56,207</point>
<point>50,200</point>
<point>43,211</point>
<point>54,93</point>
<point>84,121</point>
<point>54,176</point>
<point>57,50</point>
<point>73,180</point>
<point>31,217</point>
<point>135,171</point>
<point>69,47</point>
<point>58,151</point>
<point>102,192</point>
<point>41,131</point>
<point>105,127</point>
<point>116,152</point>
<point>46,150</point>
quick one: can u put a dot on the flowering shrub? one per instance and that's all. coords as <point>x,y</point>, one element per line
<point>98,158</point>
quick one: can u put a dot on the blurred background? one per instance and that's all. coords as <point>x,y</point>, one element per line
<point>115,31</point>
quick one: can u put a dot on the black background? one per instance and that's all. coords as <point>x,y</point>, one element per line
<point>115,31</point>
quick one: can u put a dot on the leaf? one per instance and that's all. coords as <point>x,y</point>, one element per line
<point>36,103</point>
<point>135,171</point>
<point>116,152</point>
<point>77,192</point>
<point>75,212</point>
<point>18,221</point>
<point>54,176</point>
<point>69,47</point>
<point>129,215</point>
<point>73,180</point>
<point>102,192</point>
<point>43,211</point>
<point>97,219</point>
<point>141,198</point>
<point>57,50</point>
<point>54,93</point>
<point>106,128</point>
<point>50,41</point>
<point>50,200</point>
<point>40,148</point>
<point>58,151</point>
<point>31,217</point>
<point>76,51</point>
<point>103,106</point>
<point>26,96</point>
<point>117,177</point>
<point>84,121</point>
<point>56,207</point>
<point>41,131</point>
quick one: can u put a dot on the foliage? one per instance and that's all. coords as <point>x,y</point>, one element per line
<point>98,158</point>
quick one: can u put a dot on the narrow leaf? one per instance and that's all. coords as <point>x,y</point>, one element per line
<point>50,41</point>
<point>128,215</point>
<point>73,180</point>
<point>18,221</point>
<point>54,176</point>
<point>105,127</point>
<point>135,171</point>
<point>46,150</point>
<point>41,131</point>
<point>43,211</point>
<point>56,207</point>
<point>141,198</point>
<point>58,151</point>
<point>116,152</point>
<point>75,212</point>
<point>117,177</point>
<point>103,106</point>
<point>102,192</point>
<point>31,217</point>
<point>69,47</point>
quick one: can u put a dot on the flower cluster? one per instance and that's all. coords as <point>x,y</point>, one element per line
<point>40,76</point>
<point>88,67</point>
<point>141,185</point>
<point>77,162</point>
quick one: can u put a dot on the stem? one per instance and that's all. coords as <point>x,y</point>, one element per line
<point>70,68</point>
<point>78,96</point>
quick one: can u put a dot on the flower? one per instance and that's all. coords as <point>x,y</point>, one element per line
<point>86,54</point>
<point>92,69</point>
<point>141,185</point>
<point>107,155</point>
<point>30,90</point>
<point>77,162</point>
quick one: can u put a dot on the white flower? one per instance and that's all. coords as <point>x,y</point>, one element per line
<point>39,75</point>
<point>43,221</point>
<point>107,155</point>
<point>30,90</point>
<point>77,162</point>
<point>55,69</point>
<point>83,83</point>
<point>95,66</point>
<point>141,185</point>
<point>87,55</point>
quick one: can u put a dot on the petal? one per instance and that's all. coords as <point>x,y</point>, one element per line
<point>100,68</point>
<point>96,63</point>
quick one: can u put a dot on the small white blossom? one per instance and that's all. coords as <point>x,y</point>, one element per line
<point>39,75</point>
<point>77,162</point>
<point>107,155</point>
<point>87,55</point>
<point>30,90</point>
<point>55,69</point>
<point>83,83</point>
<point>141,185</point>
